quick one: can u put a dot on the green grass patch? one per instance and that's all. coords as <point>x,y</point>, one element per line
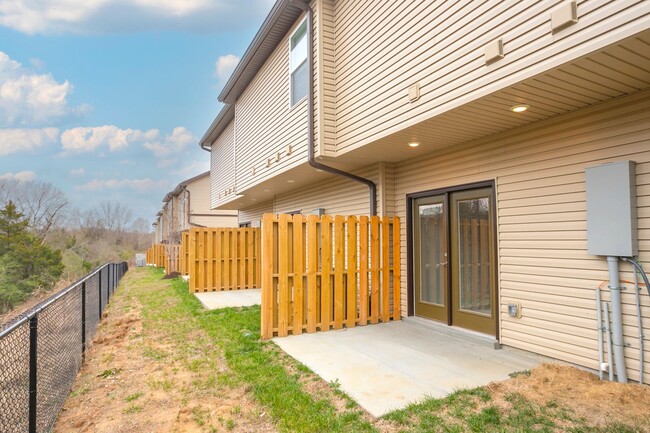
<point>133,397</point>
<point>257,366</point>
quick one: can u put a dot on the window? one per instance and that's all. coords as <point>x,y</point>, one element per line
<point>298,64</point>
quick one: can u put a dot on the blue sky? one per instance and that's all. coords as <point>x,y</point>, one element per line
<point>107,99</point>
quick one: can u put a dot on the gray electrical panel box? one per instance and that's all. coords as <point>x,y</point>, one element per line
<point>611,210</point>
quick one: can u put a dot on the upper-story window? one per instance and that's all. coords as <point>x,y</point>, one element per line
<point>298,64</point>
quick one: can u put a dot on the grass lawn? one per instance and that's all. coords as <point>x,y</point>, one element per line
<point>182,362</point>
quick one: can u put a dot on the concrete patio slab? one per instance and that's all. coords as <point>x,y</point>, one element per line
<point>230,298</point>
<point>387,366</point>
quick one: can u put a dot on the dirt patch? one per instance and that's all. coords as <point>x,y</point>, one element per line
<point>581,392</point>
<point>137,378</point>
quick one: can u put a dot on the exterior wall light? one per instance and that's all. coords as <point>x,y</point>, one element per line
<point>519,108</point>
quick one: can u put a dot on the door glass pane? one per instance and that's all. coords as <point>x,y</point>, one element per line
<point>474,255</point>
<point>432,253</point>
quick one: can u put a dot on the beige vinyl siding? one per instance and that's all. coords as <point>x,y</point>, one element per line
<point>543,260</point>
<point>440,45</point>
<point>200,196</point>
<point>254,214</point>
<point>337,195</point>
<point>222,167</point>
<point>327,77</point>
<point>227,219</point>
<point>265,122</point>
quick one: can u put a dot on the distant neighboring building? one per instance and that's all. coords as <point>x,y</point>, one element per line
<point>187,206</point>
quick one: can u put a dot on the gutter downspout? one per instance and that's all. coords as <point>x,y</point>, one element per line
<point>372,187</point>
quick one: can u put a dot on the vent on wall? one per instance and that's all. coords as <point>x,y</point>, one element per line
<point>564,16</point>
<point>414,92</point>
<point>494,51</point>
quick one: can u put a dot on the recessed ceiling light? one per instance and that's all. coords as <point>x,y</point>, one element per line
<point>290,181</point>
<point>519,108</point>
<point>414,144</point>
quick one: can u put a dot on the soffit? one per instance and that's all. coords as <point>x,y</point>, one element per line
<point>620,69</point>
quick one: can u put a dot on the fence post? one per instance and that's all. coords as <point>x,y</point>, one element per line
<point>83,321</point>
<point>33,365</point>
<point>99,296</point>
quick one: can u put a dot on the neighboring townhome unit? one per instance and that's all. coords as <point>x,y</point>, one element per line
<point>477,123</point>
<point>187,206</point>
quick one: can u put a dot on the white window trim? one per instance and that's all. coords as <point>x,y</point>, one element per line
<point>291,106</point>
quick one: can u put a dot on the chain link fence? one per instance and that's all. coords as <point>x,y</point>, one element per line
<point>41,351</point>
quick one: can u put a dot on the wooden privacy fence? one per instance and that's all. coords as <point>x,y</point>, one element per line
<point>185,253</point>
<point>173,258</point>
<point>328,272</point>
<point>223,259</point>
<point>156,255</point>
<point>166,256</point>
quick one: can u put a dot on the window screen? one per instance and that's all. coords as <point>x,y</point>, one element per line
<point>298,64</point>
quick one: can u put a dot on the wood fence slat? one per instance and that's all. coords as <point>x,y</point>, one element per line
<point>339,264</point>
<point>210,262</point>
<point>351,312</point>
<point>363,270</point>
<point>284,307</point>
<point>250,265</point>
<point>191,261</point>
<point>202,260</point>
<point>268,289</point>
<point>326,269</point>
<point>227,263</point>
<point>375,260</point>
<point>385,273</point>
<point>298,271</point>
<point>312,267</point>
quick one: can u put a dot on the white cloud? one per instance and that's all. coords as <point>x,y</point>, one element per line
<point>224,67</point>
<point>28,99</point>
<point>77,172</point>
<point>26,140</point>
<point>172,144</point>
<point>21,176</point>
<point>87,139</point>
<point>139,185</point>
<point>121,16</point>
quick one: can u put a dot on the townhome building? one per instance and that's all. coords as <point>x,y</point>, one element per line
<point>187,206</point>
<point>482,125</point>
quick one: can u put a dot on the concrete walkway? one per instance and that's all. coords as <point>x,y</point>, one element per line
<point>387,366</point>
<point>230,298</point>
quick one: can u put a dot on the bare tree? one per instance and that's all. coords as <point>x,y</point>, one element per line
<point>41,202</point>
<point>142,230</point>
<point>114,216</point>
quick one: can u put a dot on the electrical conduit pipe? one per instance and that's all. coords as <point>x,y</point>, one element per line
<point>617,319</point>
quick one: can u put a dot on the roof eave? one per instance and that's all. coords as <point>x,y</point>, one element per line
<point>223,119</point>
